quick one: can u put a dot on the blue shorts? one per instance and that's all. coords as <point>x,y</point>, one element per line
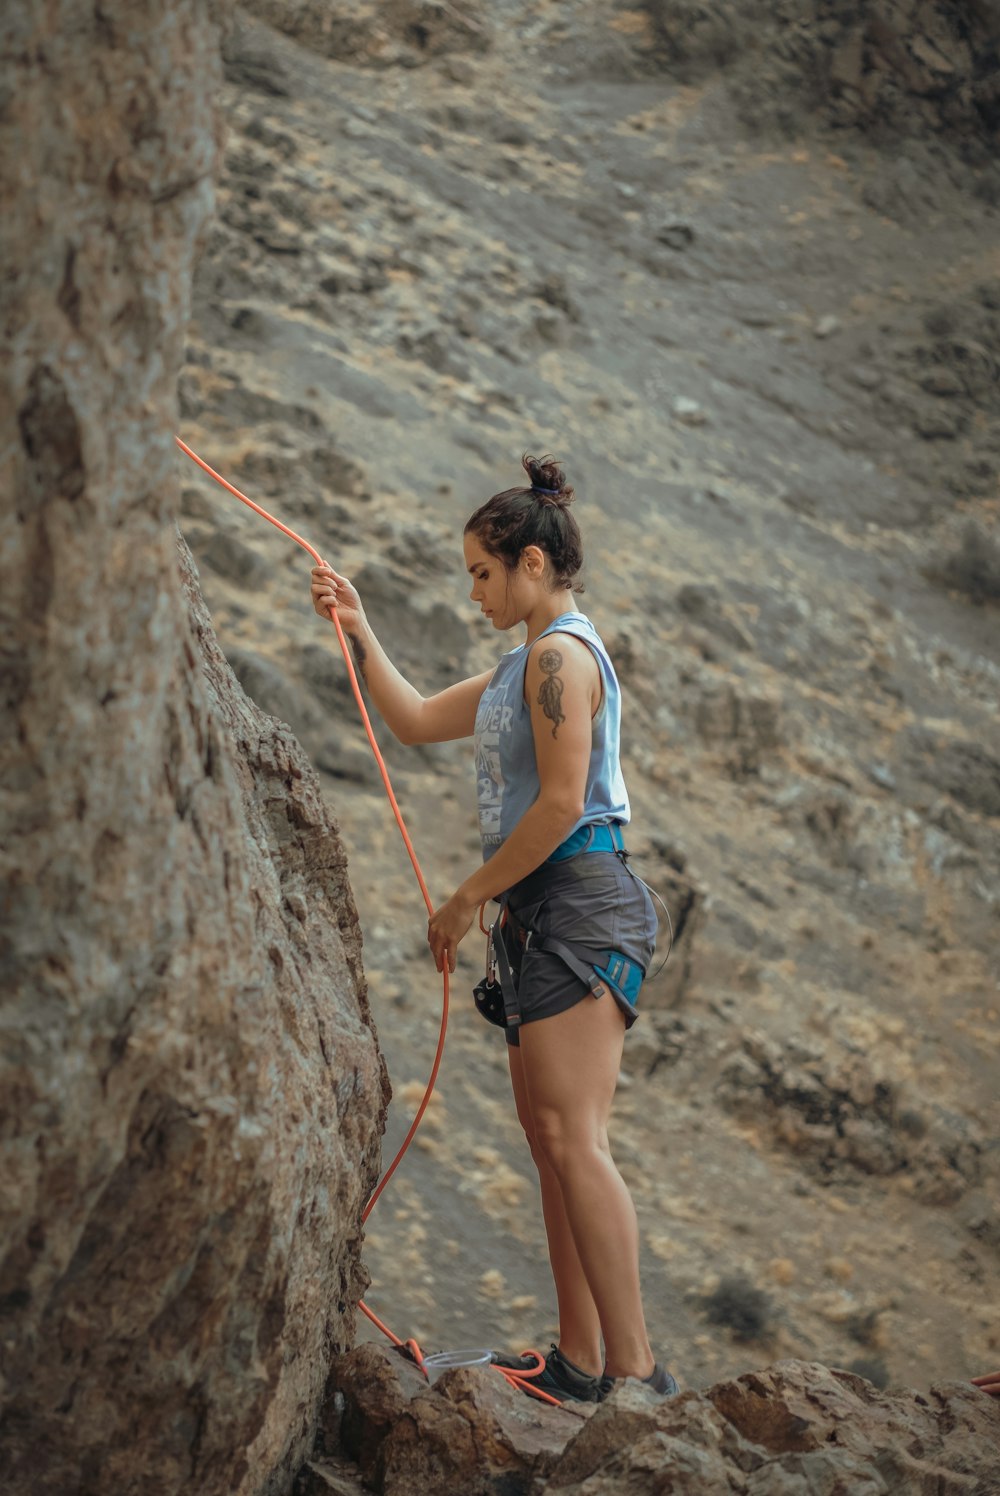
<point>591,900</point>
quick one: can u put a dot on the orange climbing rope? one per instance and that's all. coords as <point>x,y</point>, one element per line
<point>515,1378</point>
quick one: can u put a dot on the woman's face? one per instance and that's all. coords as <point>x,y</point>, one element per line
<point>493,587</point>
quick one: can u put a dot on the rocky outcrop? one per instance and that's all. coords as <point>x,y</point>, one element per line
<point>796,1427</point>
<point>902,66</point>
<point>192,1084</point>
<point>470,1432</point>
<point>835,1111</point>
<point>379,33</point>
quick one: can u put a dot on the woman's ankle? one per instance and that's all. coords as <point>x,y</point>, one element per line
<point>585,1358</point>
<point>640,1364</point>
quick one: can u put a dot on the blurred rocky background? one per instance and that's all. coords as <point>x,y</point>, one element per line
<point>737,265</point>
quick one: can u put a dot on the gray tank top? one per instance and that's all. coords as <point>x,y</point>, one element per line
<point>507,780</point>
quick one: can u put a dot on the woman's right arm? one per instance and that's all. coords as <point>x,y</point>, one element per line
<point>409,716</point>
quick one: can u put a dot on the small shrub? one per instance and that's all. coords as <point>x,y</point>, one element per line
<point>746,1310</point>
<point>974,568</point>
<point>865,1327</point>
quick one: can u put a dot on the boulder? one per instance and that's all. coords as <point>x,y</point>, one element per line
<point>792,1429</point>
<point>838,1114</point>
<point>193,1086</point>
<point>797,1429</point>
<point>470,1432</point>
<point>746,727</point>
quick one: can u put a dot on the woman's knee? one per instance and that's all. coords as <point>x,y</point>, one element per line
<point>564,1144</point>
<point>538,1156</point>
<point>527,1122</point>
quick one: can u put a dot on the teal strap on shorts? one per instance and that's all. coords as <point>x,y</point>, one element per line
<point>595,836</point>
<point>626,977</point>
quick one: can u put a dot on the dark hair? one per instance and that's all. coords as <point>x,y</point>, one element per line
<point>538,515</point>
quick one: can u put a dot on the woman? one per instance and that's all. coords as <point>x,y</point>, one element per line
<point>579,926</point>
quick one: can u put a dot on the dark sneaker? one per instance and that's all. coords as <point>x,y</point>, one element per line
<point>659,1379</point>
<point>560,1378</point>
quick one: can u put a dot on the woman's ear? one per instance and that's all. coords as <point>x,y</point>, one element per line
<point>533,561</point>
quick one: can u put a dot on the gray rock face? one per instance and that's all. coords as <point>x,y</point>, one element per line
<point>192,1085</point>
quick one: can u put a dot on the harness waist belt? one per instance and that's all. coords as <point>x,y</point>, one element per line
<point>596,836</point>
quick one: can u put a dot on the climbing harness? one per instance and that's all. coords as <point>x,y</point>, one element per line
<point>495,996</point>
<point>517,1378</point>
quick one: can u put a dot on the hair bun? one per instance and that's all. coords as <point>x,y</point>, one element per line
<point>548,480</point>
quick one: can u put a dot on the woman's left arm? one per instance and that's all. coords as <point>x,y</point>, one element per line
<point>562,686</point>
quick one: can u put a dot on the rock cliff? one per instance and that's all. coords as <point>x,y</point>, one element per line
<point>192,1087</point>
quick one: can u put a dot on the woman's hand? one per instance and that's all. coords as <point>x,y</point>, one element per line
<point>989,1383</point>
<point>447,927</point>
<point>330,590</point>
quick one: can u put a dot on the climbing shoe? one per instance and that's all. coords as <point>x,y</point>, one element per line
<point>659,1379</point>
<point>560,1378</point>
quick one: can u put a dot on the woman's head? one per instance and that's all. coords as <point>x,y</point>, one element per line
<point>537,515</point>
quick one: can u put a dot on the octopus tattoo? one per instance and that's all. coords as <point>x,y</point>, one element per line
<point>551,689</point>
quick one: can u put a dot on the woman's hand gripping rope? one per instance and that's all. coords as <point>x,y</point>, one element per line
<point>332,592</point>
<point>447,928</point>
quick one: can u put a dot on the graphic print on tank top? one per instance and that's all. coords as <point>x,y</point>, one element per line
<point>494,717</point>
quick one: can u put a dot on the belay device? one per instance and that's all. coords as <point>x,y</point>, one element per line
<point>497,1000</point>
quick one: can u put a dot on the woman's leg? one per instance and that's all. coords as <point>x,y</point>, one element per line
<point>579,1324</point>
<point>570,1065</point>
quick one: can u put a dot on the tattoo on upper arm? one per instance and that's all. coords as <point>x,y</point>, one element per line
<point>360,653</point>
<point>551,689</point>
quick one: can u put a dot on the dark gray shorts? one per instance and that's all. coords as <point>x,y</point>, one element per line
<point>590,900</point>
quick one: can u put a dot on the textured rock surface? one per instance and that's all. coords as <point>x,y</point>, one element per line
<point>794,1429</point>
<point>902,67</point>
<point>191,1082</point>
<point>380,33</point>
<point>470,1432</point>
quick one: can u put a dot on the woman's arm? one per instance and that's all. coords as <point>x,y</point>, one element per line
<point>563,687</point>
<point>411,717</point>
